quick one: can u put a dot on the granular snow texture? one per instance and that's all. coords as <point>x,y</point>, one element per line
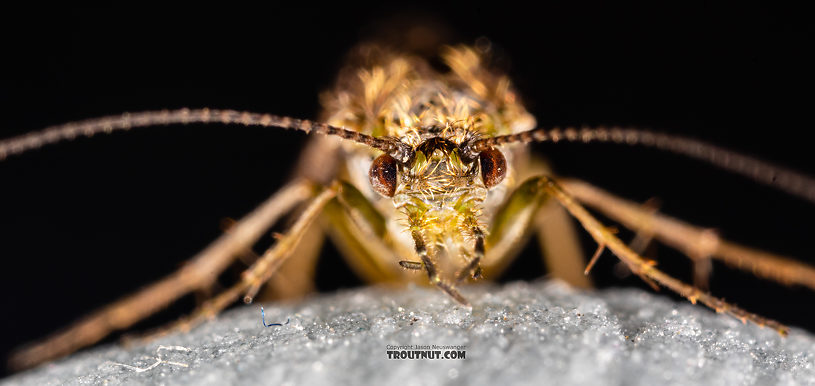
<point>521,333</point>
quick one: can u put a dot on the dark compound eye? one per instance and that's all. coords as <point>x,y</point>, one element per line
<point>383,175</point>
<point>493,166</point>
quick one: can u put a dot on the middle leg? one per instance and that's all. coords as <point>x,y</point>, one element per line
<point>697,243</point>
<point>200,272</point>
<point>262,270</point>
<point>645,268</point>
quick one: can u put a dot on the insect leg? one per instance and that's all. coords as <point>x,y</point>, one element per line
<point>263,269</point>
<point>562,254</point>
<point>473,268</point>
<point>698,243</point>
<point>643,267</point>
<point>510,226</point>
<point>414,265</point>
<point>317,163</point>
<point>559,242</point>
<point>200,272</point>
<point>359,230</point>
<point>432,271</point>
<point>295,278</point>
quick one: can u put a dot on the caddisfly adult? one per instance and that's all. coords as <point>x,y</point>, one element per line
<point>432,178</point>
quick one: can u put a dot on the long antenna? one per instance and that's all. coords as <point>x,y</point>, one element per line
<point>766,173</point>
<point>126,121</point>
<point>775,176</point>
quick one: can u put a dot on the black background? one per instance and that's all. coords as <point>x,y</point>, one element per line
<point>86,222</point>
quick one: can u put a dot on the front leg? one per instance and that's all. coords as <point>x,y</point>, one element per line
<point>432,271</point>
<point>473,267</point>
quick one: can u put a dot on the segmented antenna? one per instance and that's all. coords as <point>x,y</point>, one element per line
<point>783,179</point>
<point>126,121</point>
<point>780,178</point>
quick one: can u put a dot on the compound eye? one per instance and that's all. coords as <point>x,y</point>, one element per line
<point>383,175</point>
<point>493,167</point>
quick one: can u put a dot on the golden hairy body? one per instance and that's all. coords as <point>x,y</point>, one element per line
<point>432,178</point>
<point>438,194</point>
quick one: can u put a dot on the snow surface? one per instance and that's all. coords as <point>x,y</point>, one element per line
<point>521,333</point>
